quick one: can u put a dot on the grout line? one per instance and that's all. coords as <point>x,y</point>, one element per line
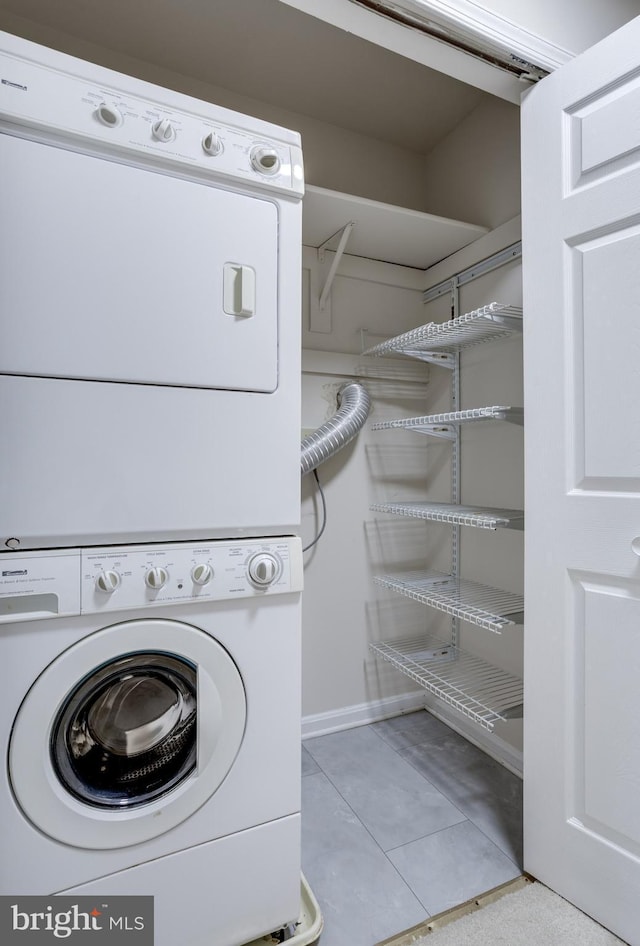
<point>433,834</point>
<point>436,789</point>
<point>380,848</point>
<point>398,940</point>
<point>465,815</point>
<point>378,845</point>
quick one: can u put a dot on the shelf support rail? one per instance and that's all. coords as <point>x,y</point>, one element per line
<point>455,463</point>
<point>486,266</point>
<point>345,233</point>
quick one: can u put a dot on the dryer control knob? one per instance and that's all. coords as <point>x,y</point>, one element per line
<point>263,569</point>
<point>201,574</point>
<point>163,130</point>
<point>265,159</point>
<point>212,145</point>
<point>107,581</point>
<point>109,115</point>
<point>156,577</point>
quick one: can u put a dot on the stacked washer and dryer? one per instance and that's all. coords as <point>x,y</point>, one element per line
<point>150,575</point>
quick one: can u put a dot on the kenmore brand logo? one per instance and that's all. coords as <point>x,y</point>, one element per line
<point>14,85</point>
<point>15,571</point>
<point>80,920</point>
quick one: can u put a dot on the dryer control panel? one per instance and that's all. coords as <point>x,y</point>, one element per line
<point>51,584</point>
<point>73,100</point>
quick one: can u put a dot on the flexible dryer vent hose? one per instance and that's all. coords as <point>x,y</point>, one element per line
<point>353,409</point>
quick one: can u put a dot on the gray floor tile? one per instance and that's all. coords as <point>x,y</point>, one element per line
<point>362,897</point>
<point>449,867</point>
<point>400,732</point>
<point>486,792</point>
<point>309,765</point>
<point>386,792</point>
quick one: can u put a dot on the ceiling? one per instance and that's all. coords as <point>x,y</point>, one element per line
<point>269,51</point>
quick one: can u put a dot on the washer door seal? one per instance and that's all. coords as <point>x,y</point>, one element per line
<point>127,733</point>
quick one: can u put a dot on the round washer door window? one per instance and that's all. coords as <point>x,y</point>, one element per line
<point>138,720</point>
<point>127,734</point>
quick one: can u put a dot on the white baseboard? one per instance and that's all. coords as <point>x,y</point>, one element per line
<point>499,749</point>
<point>348,717</point>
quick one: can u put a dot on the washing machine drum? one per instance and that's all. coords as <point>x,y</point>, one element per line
<point>127,734</point>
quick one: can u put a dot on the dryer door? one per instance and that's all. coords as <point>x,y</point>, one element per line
<point>120,273</point>
<point>127,733</point>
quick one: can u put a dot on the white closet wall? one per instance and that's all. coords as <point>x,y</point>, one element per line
<point>342,684</point>
<point>474,173</point>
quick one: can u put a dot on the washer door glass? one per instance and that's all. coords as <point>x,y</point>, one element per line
<point>127,734</point>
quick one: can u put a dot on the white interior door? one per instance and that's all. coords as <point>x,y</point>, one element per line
<point>581,220</point>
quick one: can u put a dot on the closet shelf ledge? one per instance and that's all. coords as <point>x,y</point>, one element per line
<point>382,231</point>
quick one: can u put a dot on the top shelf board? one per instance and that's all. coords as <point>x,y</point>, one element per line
<point>482,325</point>
<point>382,231</point>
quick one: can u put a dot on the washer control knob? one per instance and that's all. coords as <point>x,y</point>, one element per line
<point>163,130</point>
<point>109,115</point>
<point>263,569</point>
<point>265,159</point>
<point>107,581</point>
<point>212,145</point>
<point>156,577</point>
<point>201,574</point>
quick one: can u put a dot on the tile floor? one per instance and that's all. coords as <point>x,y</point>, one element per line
<point>402,819</point>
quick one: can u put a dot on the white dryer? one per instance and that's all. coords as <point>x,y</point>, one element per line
<point>150,266</point>
<point>150,729</point>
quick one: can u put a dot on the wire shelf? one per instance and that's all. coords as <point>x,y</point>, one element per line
<point>475,688</point>
<point>443,424</point>
<point>476,516</point>
<point>477,604</point>
<point>482,325</point>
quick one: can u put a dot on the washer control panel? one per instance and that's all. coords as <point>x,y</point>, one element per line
<point>151,122</point>
<point>118,577</point>
<point>57,583</point>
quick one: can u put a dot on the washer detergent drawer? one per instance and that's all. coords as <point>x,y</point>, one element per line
<point>112,272</point>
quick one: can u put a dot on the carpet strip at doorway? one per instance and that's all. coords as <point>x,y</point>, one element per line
<point>518,913</point>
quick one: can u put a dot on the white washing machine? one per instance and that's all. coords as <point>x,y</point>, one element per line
<point>150,725</point>
<point>150,267</point>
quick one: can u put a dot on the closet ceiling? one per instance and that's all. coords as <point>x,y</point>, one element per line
<point>266,50</point>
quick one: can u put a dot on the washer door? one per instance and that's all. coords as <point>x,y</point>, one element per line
<point>127,733</point>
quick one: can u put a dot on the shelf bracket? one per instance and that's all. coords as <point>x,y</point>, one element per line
<point>444,359</point>
<point>345,233</point>
<point>446,433</point>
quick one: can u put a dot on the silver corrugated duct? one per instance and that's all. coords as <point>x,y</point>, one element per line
<point>353,409</point>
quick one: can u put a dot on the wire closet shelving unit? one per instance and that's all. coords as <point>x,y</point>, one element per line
<point>480,691</point>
